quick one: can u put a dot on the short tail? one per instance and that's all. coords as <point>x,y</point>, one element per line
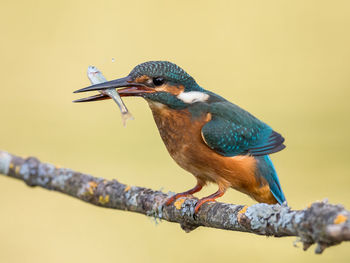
<point>267,170</point>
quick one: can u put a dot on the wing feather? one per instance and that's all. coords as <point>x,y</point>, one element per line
<point>233,131</point>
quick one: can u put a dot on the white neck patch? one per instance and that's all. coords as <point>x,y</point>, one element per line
<point>193,96</point>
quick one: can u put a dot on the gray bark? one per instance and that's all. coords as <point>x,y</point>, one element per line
<point>321,223</point>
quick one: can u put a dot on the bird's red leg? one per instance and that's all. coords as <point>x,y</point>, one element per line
<point>209,198</point>
<point>195,189</point>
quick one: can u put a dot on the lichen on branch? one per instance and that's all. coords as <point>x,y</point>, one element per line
<point>321,223</point>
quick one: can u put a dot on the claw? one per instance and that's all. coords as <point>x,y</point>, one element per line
<point>210,198</point>
<point>173,198</point>
<point>195,189</point>
<point>201,202</point>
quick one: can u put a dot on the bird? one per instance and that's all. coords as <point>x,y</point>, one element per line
<point>208,136</point>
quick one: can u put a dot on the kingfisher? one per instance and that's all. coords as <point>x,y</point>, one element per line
<point>208,136</point>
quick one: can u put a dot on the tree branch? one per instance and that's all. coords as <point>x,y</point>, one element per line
<point>321,223</point>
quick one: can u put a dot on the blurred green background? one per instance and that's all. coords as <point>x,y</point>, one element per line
<point>287,62</point>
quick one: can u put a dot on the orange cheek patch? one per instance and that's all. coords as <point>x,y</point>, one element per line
<point>175,90</point>
<point>142,79</point>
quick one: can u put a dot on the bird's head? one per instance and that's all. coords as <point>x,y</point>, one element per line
<point>157,81</point>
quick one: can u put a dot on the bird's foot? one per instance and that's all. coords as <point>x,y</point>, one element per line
<point>195,189</point>
<point>173,198</point>
<point>201,202</point>
<point>210,198</point>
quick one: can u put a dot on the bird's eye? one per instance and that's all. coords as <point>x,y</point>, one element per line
<point>157,81</point>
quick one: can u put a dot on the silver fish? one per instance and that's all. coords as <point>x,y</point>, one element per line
<point>95,76</point>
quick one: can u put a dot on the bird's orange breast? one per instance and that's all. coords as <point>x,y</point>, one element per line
<point>182,137</point>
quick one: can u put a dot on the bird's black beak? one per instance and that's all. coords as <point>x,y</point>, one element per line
<point>126,87</point>
<point>117,83</point>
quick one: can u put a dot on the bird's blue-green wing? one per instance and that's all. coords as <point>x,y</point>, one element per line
<point>233,131</point>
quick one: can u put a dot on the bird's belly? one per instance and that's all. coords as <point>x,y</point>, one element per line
<point>182,136</point>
